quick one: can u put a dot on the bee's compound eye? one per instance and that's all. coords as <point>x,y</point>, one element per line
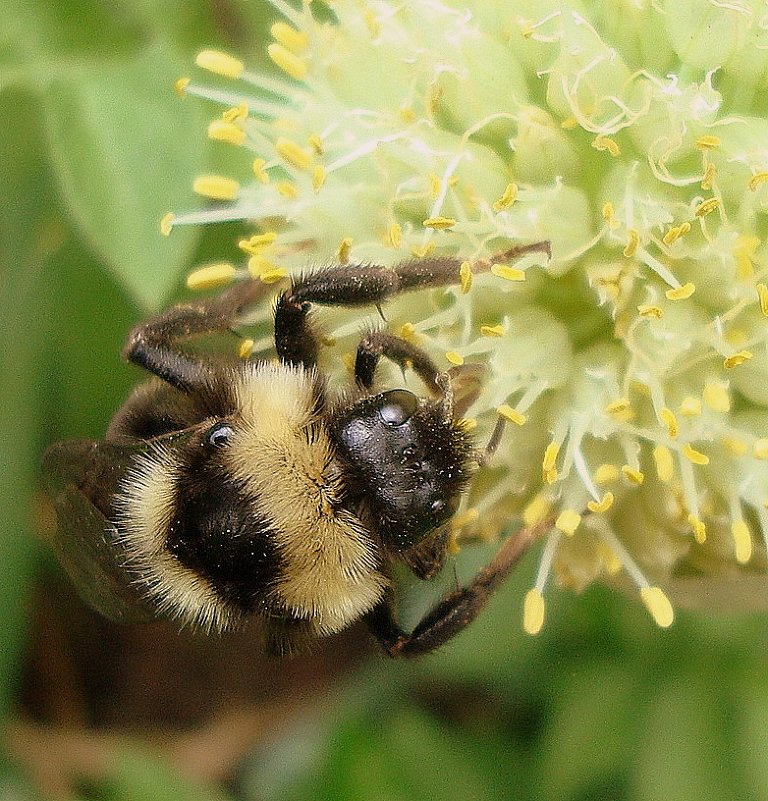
<point>219,435</point>
<point>397,406</point>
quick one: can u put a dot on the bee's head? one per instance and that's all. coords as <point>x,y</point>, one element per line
<point>411,460</point>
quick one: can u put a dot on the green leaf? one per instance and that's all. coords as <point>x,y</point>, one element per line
<point>126,152</point>
<point>685,750</point>
<point>27,231</point>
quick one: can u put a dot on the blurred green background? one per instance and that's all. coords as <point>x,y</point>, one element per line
<point>94,148</point>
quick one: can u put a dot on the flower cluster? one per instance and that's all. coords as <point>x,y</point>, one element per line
<point>633,137</point>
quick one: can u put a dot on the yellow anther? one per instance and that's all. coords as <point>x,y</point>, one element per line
<point>262,176</point>
<point>508,273</point>
<point>549,471</point>
<point>344,249</point>
<point>699,529</point>
<point>526,31</point>
<point>608,210</point>
<point>697,457</point>
<point>601,142</point>
<point>648,310</point>
<point>707,142</point>
<point>633,240</point>
<point>762,294</point>
<point>465,518</point>
<point>606,473</point>
<point>603,505</point>
<point>293,154</point>
<point>690,406</point>
<point>536,509</point>
<point>468,423</point>
<point>220,63</point>
<point>760,448</point>
<point>289,37</point>
<point>372,23</point>
<point>238,113</point>
<point>508,413</point>
<point>166,223</point>
<point>318,177</point>
<point>757,179</point>
<point>180,87</point>
<point>568,521</point>
<point>221,131</point>
<point>454,357</point>
<point>657,603</point>
<point>667,416</point>
<point>611,562</point>
<point>452,542</point>
<point>465,276</point>
<point>492,330</point>
<point>273,276</point>
<point>289,62</point>
<point>258,265</point>
<point>632,474</point>
<point>534,609</point>
<point>743,252</point>
<point>665,465</point>
<point>245,349</point>
<point>407,331</point>
<point>706,207</point>
<point>716,396</point>
<point>316,143</point>
<point>569,123</point>
<point>435,184</point>
<point>507,199</point>
<point>257,243</point>
<point>619,407</point>
<point>735,446</point>
<point>439,223</point>
<point>709,177</point>
<point>681,292</point>
<point>736,359</point>
<point>423,252</point>
<point>675,232</point>
<point>395,235</point>
<point>742,541</point>
<point>287,189</point>
<point>214,275</point>
<point>216,187</point>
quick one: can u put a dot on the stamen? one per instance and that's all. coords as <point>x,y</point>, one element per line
<point>439,223</point>
<point>318,177</point>
<point>289,37</point>
<point>742,541</point>
<point>166,224</point>
<point>603,505</point>
<point>508,273</point>
<point>633,240</point>
<point>690,406</point>
<point>667,416</point>
<point>694,456</point>
<point>601,142</point>
<point>536,509</point>
<point>507,199</point>
<point>395,234</point>
<point>533,611</point>
<point>756,180</point>
<point>762,294</point>
<point>261,175</point>
<point>707,142</point>
<point>180,87</point>
<point>549,471</point>
<point>214,275</point>
<point>508,413</point>
<point>216,187</point>
<point>246,349</point>
<point>454,357</point>
<point>606,473</point>
<point>706,207</point>
<point>681,292</point>
<point>492,330</point>
<point>344,249</point>
<point>255,244</point>
<point>568,521</point>
<point>675,232</point>
<point>699,529</point>
<point>715,395</point>
<point>632,474</point>
<point>220,63</point>
<point>665,466</point>
<point>760,449</point>
<point>293,154</point>
<point>221,131</point>
<point>657,603</point>
<point>736,359</point>
<point>289,62</point>
<point>465,275</point>
<point>648,310</point>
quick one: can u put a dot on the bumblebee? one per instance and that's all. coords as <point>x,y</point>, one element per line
<point>226,489</point>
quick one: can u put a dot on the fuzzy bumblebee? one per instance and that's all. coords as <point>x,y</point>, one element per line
<point>225,489</point>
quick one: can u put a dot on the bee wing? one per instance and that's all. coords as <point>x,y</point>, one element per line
<point>82,478</point>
